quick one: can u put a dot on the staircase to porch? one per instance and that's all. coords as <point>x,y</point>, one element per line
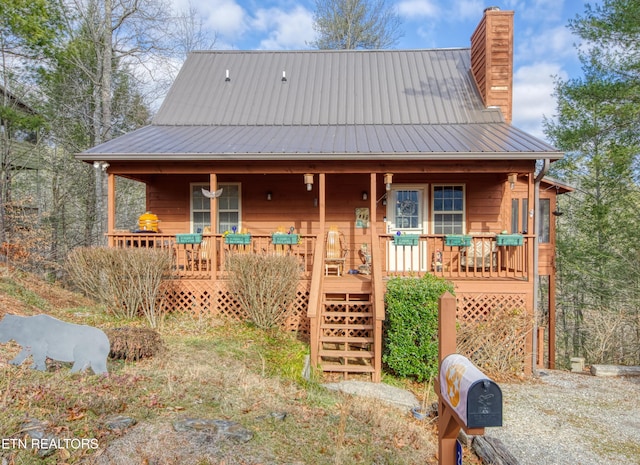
<point>346,326</point>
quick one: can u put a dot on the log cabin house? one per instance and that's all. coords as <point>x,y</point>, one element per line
<point>380,163</point>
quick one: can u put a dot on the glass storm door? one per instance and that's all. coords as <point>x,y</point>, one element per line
<point>406,214</point>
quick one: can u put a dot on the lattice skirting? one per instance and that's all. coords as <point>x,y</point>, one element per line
<point>198,297</point>
<point>493,308</point>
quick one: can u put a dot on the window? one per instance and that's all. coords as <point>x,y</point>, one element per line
<point>519,219</point>
<point>544,225</point>
<point>448,209</point>
<point>228,208</point>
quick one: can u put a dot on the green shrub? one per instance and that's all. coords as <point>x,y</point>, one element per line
<point>411,338</point>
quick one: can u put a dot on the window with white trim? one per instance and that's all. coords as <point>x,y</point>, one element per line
<point>228,207</point>
<point>448,209</point>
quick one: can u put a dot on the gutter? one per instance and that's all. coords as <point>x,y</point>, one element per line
<point>536,252</point>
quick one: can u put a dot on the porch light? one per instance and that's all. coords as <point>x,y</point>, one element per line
<point>365,196</point>
<point>388,179</point>
<point>308,180</point>
<point>513,177</point>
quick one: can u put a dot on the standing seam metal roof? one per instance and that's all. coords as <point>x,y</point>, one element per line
<point>382,103</point>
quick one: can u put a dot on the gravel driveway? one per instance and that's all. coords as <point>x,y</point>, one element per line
<point>568,418</point>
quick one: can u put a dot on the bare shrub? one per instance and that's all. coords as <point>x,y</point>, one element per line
<point>131,343</point>
<point>494,343</point>
<point>609,336</point>
<point>128,281</point>
<point>265,286</point>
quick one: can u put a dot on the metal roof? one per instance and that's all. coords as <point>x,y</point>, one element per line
<point>325,104</point>
<point>448,141</point>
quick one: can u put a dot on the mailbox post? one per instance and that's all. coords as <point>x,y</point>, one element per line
<point>467,399</point>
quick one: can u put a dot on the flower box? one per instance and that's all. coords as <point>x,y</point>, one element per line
<point>406,239</point>
<point>188,238</point>
<point>457,240</point>
<point>237,239</point>
<point>509,239</point>
<point>287,239</point>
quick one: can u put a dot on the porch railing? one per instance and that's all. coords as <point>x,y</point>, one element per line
<point>196,260</point>
<point>478,257</point>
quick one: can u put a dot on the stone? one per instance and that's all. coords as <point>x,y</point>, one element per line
<point>119,422</point>
<point>220,428</point>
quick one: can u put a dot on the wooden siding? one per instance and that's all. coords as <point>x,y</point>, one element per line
<point>492,59</point>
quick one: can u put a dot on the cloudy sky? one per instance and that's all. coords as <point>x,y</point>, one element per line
<point>544,47</point>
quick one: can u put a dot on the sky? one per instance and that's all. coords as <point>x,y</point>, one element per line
<point>543,45</point>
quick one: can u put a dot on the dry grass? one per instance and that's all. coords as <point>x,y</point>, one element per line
<point>209,369</point>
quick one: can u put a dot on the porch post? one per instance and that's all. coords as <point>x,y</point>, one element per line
<point>322,203</point>
<point>213,214</point>
<point>111,207</point>
<point>376,276</point>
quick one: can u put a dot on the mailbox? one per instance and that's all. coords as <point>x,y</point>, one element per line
<point>476,399</point>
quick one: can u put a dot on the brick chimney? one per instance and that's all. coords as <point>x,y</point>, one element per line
<point>492,59</point>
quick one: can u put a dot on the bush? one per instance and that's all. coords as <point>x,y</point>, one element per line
<point>131,343</point>
<point>411,339</point>
<point>495,342</point>
<point>265,285</point>
<point>128,281</point>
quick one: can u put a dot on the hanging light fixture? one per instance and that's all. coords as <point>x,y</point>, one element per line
<point>388,179</point>
<point>308,180</point>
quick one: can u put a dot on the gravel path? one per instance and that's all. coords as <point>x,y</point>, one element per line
<point>568,418</point>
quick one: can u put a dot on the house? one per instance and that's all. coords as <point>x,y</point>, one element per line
<point>408,155</point>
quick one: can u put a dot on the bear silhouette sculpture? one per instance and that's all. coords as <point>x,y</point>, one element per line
<point>43,336</point>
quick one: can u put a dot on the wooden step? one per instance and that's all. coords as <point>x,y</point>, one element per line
<point>345,326</point>
<point>347,314</point>
<point>351,303</point>
<point>348,368</point>
<point>346,339</point>
<point>346,353</point>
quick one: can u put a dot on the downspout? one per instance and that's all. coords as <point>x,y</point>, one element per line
<point>536,244</point>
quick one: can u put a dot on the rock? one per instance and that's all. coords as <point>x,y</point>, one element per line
<point>277,416</point>
<point>119,422</point>
<point>220,428</point>
<point>37,431</point>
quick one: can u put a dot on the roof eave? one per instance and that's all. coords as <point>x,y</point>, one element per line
<point>458,156</point>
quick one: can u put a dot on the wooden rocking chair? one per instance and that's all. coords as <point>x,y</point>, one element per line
<point>336,252</point>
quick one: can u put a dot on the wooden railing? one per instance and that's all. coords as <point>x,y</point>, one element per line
<point>483,259</point>
<point>196,260</point>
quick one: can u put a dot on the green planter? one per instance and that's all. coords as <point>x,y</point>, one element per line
<point>286,239</point>
<point>406,239</point>
<point>237,239</point>
<point>509,239</point>
<point>188,238</point>
<point>457,240</point>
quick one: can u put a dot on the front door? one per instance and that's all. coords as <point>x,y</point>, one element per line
<point>407,214</point>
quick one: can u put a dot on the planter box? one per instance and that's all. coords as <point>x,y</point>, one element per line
<point>287,239</point>
<point>406,239</point>
<point>238,239</point>
<point>188,238</point>
<point>457,240</point>
<point>509,239</point>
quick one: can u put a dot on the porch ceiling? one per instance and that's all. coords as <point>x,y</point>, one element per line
<point>479,141</point>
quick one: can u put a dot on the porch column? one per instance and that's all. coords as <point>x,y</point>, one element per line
<point>376,276</point>
<point>213,214</point>
<point>322,204</point>
<point>111,207</point>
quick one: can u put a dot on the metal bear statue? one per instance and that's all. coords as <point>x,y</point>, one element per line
<point>43,336</point>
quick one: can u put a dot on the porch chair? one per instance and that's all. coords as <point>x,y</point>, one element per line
<point>205,250</point>
<point>335,253</point>
<point>481,254</point>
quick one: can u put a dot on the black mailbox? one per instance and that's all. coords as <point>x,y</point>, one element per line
<point>484,404</point>
<point>476,399</point>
